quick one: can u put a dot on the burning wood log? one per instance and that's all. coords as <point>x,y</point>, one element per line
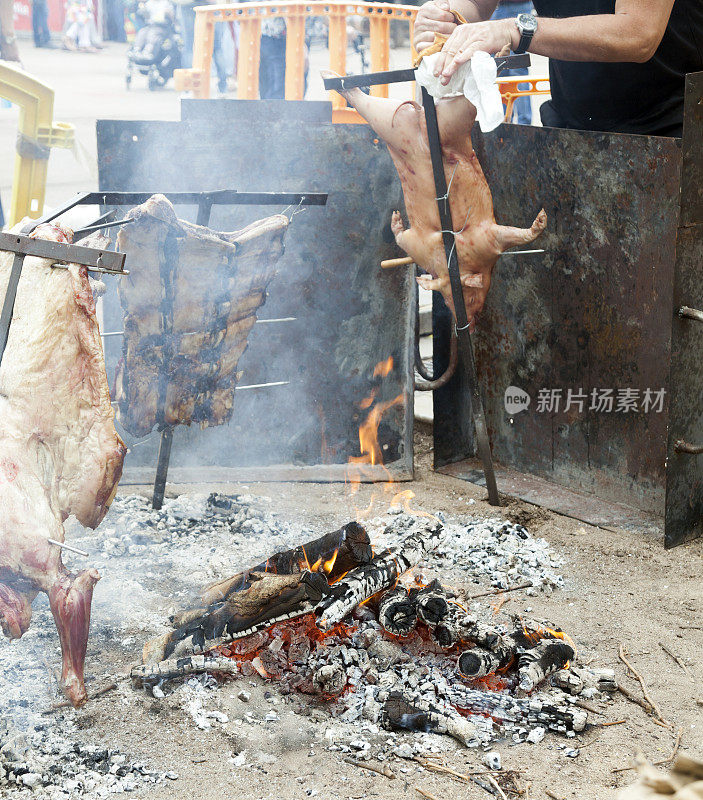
<point>556,716</point>
<point>380,574</point>
<point>269,599</point>
<point>413,712</point>
<point>546,658</point>
<point>334,553</point>
<point>397,612</point>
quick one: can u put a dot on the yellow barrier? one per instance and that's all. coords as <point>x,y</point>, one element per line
<point>510,92</point>
<point>37,135</point>
<point>249,16</point>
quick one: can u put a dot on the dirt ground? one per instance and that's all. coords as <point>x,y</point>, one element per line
<point>619,588</point>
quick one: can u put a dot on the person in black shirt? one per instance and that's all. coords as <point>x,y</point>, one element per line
<point>614,65</point>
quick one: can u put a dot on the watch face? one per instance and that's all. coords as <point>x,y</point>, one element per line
<point>527,23</point>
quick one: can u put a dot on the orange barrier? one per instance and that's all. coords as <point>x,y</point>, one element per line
<point>249,16</point>
<point>510,92</point>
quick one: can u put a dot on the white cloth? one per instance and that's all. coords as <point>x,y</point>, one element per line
<point>476,80</point>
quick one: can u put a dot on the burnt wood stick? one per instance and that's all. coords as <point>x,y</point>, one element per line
<point>364,582</point>
<point>408,711</point>
<point>350,543</point>
<point>269,599</point>
<point>477,663</point>
<point>179,667</point>
<point>556,716</point>
<point>433,603</point>
<point>549,656</point>
<point>397,612</point>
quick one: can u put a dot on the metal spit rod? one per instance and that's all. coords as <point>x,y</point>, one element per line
<point>258,322</point>
<point>68,547</point>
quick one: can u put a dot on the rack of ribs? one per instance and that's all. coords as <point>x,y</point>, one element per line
<point>189,303</point>
<point>59,452</point>
<point>479,239</point>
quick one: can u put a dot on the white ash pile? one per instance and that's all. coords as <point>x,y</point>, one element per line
<point>411,657</point>
<point>495,551</point>
<point>46,763</point>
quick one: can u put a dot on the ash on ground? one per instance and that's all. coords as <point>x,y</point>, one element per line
<point>154,562</point>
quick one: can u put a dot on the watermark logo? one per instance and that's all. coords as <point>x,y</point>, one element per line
<point>515,400</point>
<point>597,400</point>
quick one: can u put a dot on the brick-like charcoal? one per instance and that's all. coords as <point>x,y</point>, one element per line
<point>179,667</point>
<point>189,303</point>
<point>60,453</point>
<point>269,599</point>
<point>380,574</point>
<point>545,658</point>
<point>410,711</point>
<point>397,612</point>
<point>334,553</point>
<point>561,717</point>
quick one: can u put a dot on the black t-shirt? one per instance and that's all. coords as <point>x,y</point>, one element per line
<point>625,97</point>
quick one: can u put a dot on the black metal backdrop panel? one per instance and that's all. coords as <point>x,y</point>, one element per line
<point>592,312</point>
<point>349,314</point>
<point>684,471</point>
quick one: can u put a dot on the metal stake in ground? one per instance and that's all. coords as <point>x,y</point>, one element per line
<point>462,323</point>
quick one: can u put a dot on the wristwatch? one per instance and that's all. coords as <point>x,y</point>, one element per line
<point>527,25</point>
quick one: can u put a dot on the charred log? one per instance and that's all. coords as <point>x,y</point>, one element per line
<point>380,574</point>
<point>180,667</point>
<point>397,612</point>
<point>561,717</point>
<point>269,599</point>
<point>412,712</point>
<point>546,658</point>
<point>334,553</point>
<point>433,603</point>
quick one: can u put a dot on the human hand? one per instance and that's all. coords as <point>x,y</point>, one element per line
<point>468,39</point>
<point>433,17</point>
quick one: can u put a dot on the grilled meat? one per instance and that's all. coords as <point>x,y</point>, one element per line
<point>189,303</point>
<point>59,452</point>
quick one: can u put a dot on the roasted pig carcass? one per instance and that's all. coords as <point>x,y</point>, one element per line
<point>59,452</point>
<point>189,303</point>
<point>479,240</point>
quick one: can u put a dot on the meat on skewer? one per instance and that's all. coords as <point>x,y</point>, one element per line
<point>59,452</point>
<point>479,239</point>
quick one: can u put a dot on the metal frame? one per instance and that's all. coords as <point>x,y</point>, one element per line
<point>205,201</point>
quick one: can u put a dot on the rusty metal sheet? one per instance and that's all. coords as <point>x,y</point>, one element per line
<point>592,312</point>
<point>684,472</point>
<point>348,313</point>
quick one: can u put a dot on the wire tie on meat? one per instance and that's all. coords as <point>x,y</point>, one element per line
<point>463,327</point>
<point>68,547</point>
<point>445,196</point>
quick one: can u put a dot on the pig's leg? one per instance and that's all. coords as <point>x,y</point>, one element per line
<point>407,239</point>
<point>397,122</point>
<point>15,611</point>
<point>70,598</point>
<point>507,237</point>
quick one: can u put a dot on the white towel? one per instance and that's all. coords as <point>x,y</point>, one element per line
<point>476,80</point>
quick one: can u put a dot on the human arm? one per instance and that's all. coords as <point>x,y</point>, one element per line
<point>435,17</point>
<point>631,34</point>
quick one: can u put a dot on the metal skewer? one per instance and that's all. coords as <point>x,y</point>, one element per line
<point>103,225</point>
<point>68,547</point>
<point>261,385</point>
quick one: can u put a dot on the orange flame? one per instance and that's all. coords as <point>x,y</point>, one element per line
<point>328,566</point>
<point>383,368</point>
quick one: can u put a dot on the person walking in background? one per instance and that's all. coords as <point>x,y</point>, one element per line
<point>40,23</point>
<point>187,22</point>
<point>272,59</point>
<point>509,9</point>
<point>79,18</point>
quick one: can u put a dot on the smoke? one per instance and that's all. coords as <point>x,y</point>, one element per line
<point>347,314</point>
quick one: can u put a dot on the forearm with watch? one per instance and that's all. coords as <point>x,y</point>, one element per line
<point>632,33</point>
